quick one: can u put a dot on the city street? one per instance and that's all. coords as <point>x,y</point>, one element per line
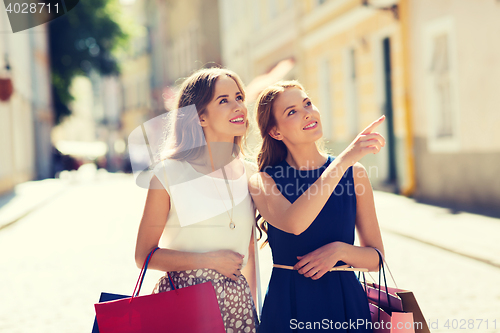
<point>55,261</point>
<point>107,88</point>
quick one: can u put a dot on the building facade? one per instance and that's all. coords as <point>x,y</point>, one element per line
<point>455,66</point>
<point>26,119</point>
<point>349,58</point>
<point>138,77</point>
<point>354,70</point>
<point>430,66</point>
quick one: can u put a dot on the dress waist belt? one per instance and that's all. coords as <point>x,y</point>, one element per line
<point>334,269</point>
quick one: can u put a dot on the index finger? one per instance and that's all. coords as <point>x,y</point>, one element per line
<point>373,125</point>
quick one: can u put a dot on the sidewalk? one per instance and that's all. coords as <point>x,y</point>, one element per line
<point>29,196</point>
<point>471,235</point>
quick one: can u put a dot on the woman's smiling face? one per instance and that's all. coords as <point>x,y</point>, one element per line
<point>225,116</point>
<point>297,119</point>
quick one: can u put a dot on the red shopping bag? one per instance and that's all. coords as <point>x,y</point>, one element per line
<point>191,309</point>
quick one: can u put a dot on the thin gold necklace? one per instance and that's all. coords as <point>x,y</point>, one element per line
<point>231,223</point>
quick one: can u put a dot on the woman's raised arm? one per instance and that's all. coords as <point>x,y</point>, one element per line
<point>295,218</point>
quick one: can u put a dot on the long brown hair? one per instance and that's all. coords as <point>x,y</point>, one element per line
<point>272,151</point>
<point>184,138</point>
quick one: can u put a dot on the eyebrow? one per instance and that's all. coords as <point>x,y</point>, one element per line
<point>238,93</point>
<point>221,96</point>
<point>292,106</point>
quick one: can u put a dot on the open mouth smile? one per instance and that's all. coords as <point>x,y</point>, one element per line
<point>311,125</point>
<point>238,120</point>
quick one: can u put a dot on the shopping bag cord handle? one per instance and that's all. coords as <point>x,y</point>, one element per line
<point>386,266</point>
<point>142,274</point>
<point>380,274</point>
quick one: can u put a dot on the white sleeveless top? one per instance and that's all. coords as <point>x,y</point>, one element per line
<point>200,209</point>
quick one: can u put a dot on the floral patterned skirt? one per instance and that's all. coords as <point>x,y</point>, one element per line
<point>235,299</point>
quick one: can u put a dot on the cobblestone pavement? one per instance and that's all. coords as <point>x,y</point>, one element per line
<point>55,261</point>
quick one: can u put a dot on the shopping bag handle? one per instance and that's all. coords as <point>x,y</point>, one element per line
<point>381,257</point>
<point>380,270</point>
<point>142,274</point>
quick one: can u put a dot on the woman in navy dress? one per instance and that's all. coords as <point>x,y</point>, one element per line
<point>313,203</point>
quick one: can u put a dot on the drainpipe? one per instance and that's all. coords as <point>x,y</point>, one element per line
<point>404,12</point>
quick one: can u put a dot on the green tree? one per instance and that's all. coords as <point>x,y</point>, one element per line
<point>87,38</point>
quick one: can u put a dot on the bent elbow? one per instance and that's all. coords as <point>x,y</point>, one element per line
<point>139,259</point>
<point>295,228</point>
<point>288,224</point>
<point>298,226</point>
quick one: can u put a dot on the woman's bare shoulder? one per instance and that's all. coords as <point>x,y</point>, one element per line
<point>251,167</point>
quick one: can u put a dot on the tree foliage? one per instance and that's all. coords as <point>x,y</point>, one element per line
<point>86,38</point>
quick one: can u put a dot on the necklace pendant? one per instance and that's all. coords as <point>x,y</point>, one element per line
<point>231,225</point>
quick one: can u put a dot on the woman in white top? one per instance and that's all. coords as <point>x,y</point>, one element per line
<point>198,209</point>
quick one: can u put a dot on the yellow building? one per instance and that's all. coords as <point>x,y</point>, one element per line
<point>181,36</point>
<point>349,57</point>
<point>192,37</point>
<point>257,35</point>
<point>136,71</point>
<point>353,67</point>
<point>430,66</point>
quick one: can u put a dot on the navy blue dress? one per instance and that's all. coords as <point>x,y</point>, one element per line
<point>294,302</point>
